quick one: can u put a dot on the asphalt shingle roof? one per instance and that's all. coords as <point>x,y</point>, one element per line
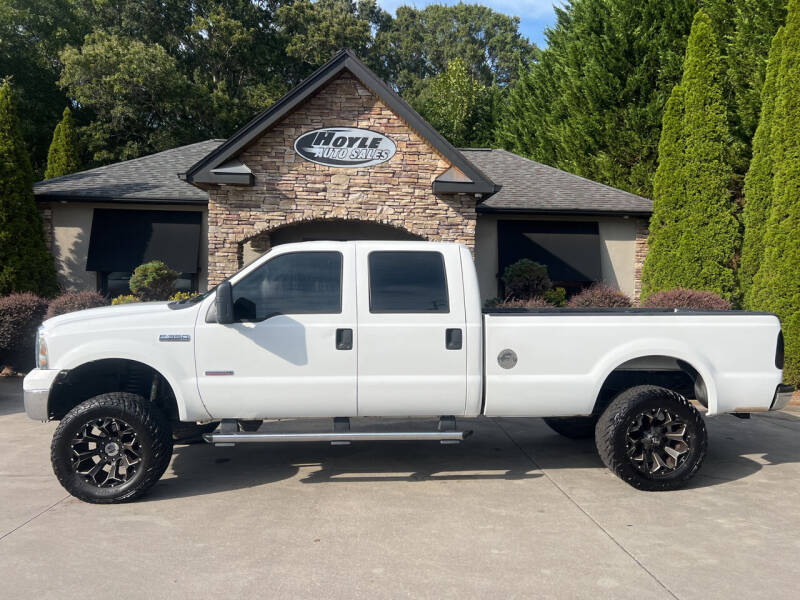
<point>152,178</point>
<point>526,186</point>
<point>531,186</point>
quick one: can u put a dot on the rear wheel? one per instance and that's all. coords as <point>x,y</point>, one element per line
<point>576,428</point>
<point>652,438</point>
<point>111,448</point>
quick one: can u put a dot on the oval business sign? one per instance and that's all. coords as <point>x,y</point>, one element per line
<point>345,147</point>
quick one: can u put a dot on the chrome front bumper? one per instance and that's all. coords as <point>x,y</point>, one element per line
<point>36,392</point>
<point>783,394</point>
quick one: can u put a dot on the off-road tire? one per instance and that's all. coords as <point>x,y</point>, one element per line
<point>191,433</point>
<point>611,436</point>
<point>575,428</point>
<point>154,441</point>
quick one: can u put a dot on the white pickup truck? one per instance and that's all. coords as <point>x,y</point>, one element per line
<point>386,329</point>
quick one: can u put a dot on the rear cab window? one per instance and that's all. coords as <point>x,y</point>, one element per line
<point>407,282</point>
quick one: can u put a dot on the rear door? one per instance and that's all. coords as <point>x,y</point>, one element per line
<point>411,330</point>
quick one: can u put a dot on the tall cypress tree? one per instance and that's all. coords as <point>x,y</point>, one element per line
<point>660,270</point>
<point>25,263</point>
<point>699,251</point>
<point>758,182</point>
<point>62,158</point>
<point>776,286</point>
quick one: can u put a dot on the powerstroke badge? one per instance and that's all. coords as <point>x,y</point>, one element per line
<point>345,147</point>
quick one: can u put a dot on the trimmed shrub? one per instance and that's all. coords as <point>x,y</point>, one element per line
<point>178,296</point>
<point>535,302</point>
<point>62,158</point>
<point>526,279</point>
<point>73,301</point>
<point>600,295</point>
<point>20,316</point>
<point>153,281</point>
<point>556,296</point>
<point>681,298</point>
<point>125,299</point>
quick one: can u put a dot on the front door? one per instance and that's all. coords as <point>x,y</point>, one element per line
<point>411,324</point>
<point>292,350</point>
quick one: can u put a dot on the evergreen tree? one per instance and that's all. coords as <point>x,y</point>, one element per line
<point>594,102</point>
<point>758,182</point>
<point>699,250</point>
<point>661,265</point>
<point>62,158</point>
<point>776,286</point>
<point>25,263</point>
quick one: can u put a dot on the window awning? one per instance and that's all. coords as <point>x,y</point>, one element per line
<point>569,249</point>
<point>121,240</point>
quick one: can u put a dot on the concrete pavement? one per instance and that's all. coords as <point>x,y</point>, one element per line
<point>515,512</point>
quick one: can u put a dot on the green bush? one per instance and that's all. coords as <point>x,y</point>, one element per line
<point>125,299</point>
<point>178,296</point>
<point>153,281</point>
<point>73,301</point>
<point>20,316</point>
<point>25,263</point>
<point>62,158</point>
<point>556,296</point>
<point>525,279</point>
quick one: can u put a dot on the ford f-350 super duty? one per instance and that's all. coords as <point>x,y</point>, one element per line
<point>386,329</point>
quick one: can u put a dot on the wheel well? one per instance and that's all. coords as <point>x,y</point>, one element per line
<point>664,371</point>
<point>110,375</point>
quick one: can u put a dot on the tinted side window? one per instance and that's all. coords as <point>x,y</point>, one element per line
<point>407,282</point>
<point>296,283</point>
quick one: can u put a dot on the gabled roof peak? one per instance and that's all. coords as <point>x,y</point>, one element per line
<point>203,172</point>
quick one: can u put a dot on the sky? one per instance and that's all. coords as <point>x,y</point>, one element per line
<point>534,15</point>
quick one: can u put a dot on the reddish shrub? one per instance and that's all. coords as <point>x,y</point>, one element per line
<point>682,298</point>
<point>72,301</point>
<point>535,302</point>
<point>600,296</point>
<point>20,316</point>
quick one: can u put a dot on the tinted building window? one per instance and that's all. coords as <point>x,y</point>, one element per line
<point>295,283</point>
<point>407,282</point>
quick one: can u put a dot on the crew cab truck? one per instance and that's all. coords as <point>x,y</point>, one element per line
<point>386,329</point>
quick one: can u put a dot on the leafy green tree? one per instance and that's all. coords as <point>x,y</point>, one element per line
<point>593,104</point>
<point>420,43</point>
<point>758,182</point>
<point>25,263</point>
<point>63,157</point>
<point>776,286</point>
<point>695,232</point>
<point>140,100</point>
<point>459,106</point>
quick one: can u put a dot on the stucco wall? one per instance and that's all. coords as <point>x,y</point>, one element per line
<point>618,250</point>
<point>72,227</point>
<point>289,189</point>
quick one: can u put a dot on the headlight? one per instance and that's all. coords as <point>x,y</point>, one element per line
<point>41,350</point>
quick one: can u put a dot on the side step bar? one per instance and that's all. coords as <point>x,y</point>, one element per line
<point>229,434</point>
<point>336,437</point>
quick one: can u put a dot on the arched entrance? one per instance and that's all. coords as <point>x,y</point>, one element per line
<point>339,230</point>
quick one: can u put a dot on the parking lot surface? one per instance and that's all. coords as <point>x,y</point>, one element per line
<point>515,512</point>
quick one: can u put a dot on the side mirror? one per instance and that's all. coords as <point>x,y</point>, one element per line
<point>224,303</point>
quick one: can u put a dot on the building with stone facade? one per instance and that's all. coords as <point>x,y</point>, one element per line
<point>341,157</point>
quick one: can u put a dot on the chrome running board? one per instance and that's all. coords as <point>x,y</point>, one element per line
<point>243,437</point>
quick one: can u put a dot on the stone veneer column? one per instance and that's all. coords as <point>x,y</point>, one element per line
<point>46,211</point>
<point>642,232</point>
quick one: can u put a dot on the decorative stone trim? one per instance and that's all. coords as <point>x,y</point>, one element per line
<point>642,231</point>
<point>288,189</point>
<point>46,211</point>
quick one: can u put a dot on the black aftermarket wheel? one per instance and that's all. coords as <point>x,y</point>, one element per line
<point>652,438</point>
<point>111,448</point>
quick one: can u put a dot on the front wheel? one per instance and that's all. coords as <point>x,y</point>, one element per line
<point>652,438</point>
<point>111,448</point>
